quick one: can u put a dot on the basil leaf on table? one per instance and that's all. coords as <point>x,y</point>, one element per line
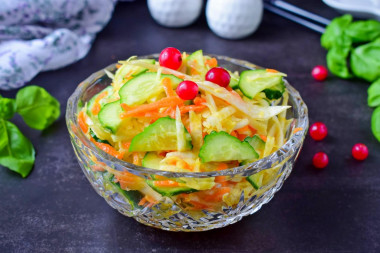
<point>363,31</point>
<point>335,30</point>
<point>337,61</point>
<point>375,123</point>
<point>7,108</point>
<point>374,94</point>
<point>16,151</point>
<point>37,107</point>
<point>365,61</point>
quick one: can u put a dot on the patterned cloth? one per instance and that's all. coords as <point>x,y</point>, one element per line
<point>40,35</point>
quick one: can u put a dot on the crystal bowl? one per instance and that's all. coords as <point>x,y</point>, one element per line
<point>168,214</point>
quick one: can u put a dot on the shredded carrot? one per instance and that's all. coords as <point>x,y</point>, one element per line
<point>82,122</point>
<point>244,130</point>
<point>234,133</point>
<point>195,108</point>
<point>199,101</point>
<point>198,205</point>
<point>118,66</point>
<point>166,183</point>
<point>253,131</point>
<point>141,109</point>
<point>217,196</point>
<point>242,136</point>
<point>158,177</point>
<point>126,145</point>
<point>101,96</point>
<point>296,130</point>
<point>184,165</point>
<point>263,137</point>
<point>142,201</point>
<point>211,62</point>
<point>96,108</point>
<point>97,167</point>
<point>136,158</point>
<point>272,70</point>
<point>108,149</point>
<point>222,166</point>
<point>167,84</point>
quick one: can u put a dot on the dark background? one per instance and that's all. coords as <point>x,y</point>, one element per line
<point>334,210</point>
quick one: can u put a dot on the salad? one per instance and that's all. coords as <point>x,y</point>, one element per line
<point>186,114</point>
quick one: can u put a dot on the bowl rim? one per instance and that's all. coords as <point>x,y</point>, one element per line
<point>285,151</point>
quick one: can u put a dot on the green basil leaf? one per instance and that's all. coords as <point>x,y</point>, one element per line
<point>365,61</point>
<point>375,123</point>
<point>335,30</point>
<point>16,151</point>
<point>363,31</point>
<point>337,61</point>
<point>7,108</point>
<point>374,94</point>
<point>37,107</point>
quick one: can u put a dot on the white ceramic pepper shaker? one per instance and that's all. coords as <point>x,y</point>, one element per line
<point>234,19</point>
<point>175,13</point>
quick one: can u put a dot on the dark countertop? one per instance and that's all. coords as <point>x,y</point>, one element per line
<point>335,210</point>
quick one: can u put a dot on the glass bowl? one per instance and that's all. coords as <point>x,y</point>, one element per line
<point>169,213</point>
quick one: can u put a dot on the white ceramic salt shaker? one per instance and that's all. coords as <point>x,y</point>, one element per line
<point>234,19</point>
<point>175,13</point>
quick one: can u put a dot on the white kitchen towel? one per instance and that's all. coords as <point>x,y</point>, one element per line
<point>40,35</point>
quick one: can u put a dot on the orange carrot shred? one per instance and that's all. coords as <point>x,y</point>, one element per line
<point>297,129</point>
<point>82,122</point>
<point>222,166</point>
<point>272,70</point>
<point>263,137</point>
<point>211,62</point>
<point>167,84</point>
<point>166,183</point>
<point>96,108</point>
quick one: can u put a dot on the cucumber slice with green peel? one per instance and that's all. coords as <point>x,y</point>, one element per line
<point>234,82</point>
<point>275,92</point>
<point>152,160</point>
<point>256,180</point>
<point>255,81</point>
<point>169,191</point>
<point>109,116</point>
<point>161,135</point>
<point>130,70</point>
<point>91,102</point>
<point>93,135</point>
<point>133,197</point>
<point>140,88</point>
<point>221,146</point>
<point>196,64</point>
<point>256,142</point>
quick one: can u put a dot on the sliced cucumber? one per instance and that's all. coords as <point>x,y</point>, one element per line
<point>220,146</point>
<point>169,191</point>
<point>130,70</point>
<point>93,135</point>
<point>234,82</point>
<point>133,197</point>
<point>152,160</point>
<point>256,180</point>
<point>254,81</point>
<point>196,64</point>
<point>109,116</point>
<point>90,104</point>
<point>276,91</point>
<point>137,90</point>
<point>161,135</point>
<point>256,142</point>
